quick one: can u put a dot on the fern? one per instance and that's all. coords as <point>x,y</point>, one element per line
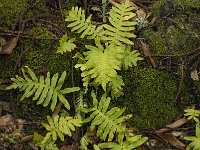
<point>192,114</point>
<point>49,145</point>
<point>44,90</point>
<point>85,140</point>
<point>101,64</point>
<point>131,58</point>
<point>81,24</point>
<point>131,142</point>
<point>108,122</point>
<point>115,86</point>
<point>120,29</point>
<point>195,140</point>
<point>60,126</point>
<point>66,46</point>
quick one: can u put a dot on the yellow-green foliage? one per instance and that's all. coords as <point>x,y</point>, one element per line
<point>101,64</point>
<point>45,90</point>
<point>132,142</point>
<point>121,27</point>
<point>10,10</point>
<point>195,140</point>
<point>66,45</point>
<point>50,144</point>
<point>120,30</point>
<point>109,122</point>
<point>60,126</point>
<point>150,96</point>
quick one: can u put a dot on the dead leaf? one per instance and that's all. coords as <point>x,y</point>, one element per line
<point>2,41</point>
<point>9,46</point>
<point>5,120</point>
<point>147,52</point>
<point>141,13</point>
<point>177,123</point>
<point>162,130</point>
<point>171,139</point>
<point>194,75</point>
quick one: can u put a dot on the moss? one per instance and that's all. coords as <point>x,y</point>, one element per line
<point>173,37</point>
<point>10,10</point>
<point>165,7</point>
<point>149,96</point>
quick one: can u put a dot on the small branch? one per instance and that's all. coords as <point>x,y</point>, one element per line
<point>57,109</point>
<point>181,82</point>
<point>179,55</point>
<point>28,36</point>
<point>72,70</point>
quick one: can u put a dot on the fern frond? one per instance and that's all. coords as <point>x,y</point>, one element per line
<point>66,46</point>
<point>121,26</point>
<point>85,140</point>
<point>130,143</point>
<point>195,140</point>
<point>81,24</point>
<point>115,86</point>
<point>131,58</point>
<point>101,64</point>
<point>45,90</point>
<point>109,122</point>
<point>60,126</point>
<point>49,145</point>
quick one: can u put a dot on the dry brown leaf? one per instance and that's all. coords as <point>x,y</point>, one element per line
<point>9,46</point>
<point>177,123</point>
<point>162,130</point>
<point>141,13</point>
<point>2,41</point>
<point>147,52</point>
<point>171,139</point>
<point>6,120</point>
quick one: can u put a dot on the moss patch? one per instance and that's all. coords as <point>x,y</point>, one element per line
<point>149,96</point>
<point>10,10</point>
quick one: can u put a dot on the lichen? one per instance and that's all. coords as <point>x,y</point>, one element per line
<point>149,96</point>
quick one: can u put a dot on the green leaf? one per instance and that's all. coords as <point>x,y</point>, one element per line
<point>66,45</point>
<point>131,58</point>
<point>108,122</point>
<point>102,64</point>
<point>60,126</point>
<point>45,90</point>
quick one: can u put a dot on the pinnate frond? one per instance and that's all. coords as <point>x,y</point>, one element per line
<point>131,58</point>
<point>49,145</point>
<point>101,64</point>
<point>81,24</point>
<point>116,87</point>
<point>45,90</point>
<point>107,121</point>
<point>195,140</point>
<point>131,142</point>
<point>66,45</point>
<point>120,30</point>
<point>60,126</point>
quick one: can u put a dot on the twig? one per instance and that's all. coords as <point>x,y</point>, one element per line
<point>178,55</point>
<point>57,109</point>
<point>28,37</point>
<point>72,69</point>
<point>181,82</point>
<point>19,60</point>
